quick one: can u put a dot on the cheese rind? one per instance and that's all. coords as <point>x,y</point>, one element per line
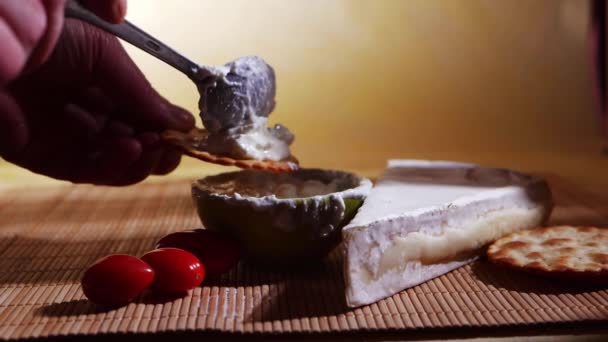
<point>424,219</point>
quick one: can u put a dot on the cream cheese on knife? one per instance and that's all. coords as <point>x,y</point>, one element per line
<point>424,219</point>
<point>234,106</point>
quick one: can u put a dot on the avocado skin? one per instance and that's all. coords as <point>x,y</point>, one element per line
<point>294,232</point>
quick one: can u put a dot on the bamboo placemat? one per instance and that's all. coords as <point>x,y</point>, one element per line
<point>48,237</point>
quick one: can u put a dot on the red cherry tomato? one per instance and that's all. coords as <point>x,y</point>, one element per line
<point>176,270</point>
<point>116,279</point>
<point>217,251</point>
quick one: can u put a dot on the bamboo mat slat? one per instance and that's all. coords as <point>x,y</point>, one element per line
<point>48,237</point>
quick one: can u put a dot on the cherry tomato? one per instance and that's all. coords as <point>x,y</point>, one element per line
<point>217,251</point>
<point>116,279</point>
<point>176,270</point>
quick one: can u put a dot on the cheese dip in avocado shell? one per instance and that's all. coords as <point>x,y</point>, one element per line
<point>285,219</point>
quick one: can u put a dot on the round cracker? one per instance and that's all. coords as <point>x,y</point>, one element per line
<point>566,252</point>
<point>189,143</point>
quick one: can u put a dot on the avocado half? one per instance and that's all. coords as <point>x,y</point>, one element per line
<point>276,231</point>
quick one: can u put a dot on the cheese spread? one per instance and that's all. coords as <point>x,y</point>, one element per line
<point>236,100</point>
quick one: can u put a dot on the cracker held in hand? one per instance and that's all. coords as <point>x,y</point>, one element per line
<point>562,251</point>
<point>191,143</point>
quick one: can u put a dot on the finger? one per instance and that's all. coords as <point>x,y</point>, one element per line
<point>100,106</point>
<point>113,11</point>
<point>109,163</point>
<point>94,98</point>
<point>14,133</point>
<point>185,118</point>
<point>79,122</point>
<point>116,129</point>
<point>54,25</point>
<point>169,161</point>
<point>149,158</point>
<point>13,57</point>
<point>22,24</point>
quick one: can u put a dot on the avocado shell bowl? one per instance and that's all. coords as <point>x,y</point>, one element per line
<point>281,220</point>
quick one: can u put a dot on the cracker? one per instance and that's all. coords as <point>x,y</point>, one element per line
<point>189,142</point>
<point>567,252</point>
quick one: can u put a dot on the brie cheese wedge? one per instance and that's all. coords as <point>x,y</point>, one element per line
<point>423,219</point>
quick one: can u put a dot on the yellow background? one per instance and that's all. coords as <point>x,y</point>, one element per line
<point>505,83</point>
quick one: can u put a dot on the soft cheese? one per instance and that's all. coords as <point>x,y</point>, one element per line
<point>424,218</point>
<point>236,101</point>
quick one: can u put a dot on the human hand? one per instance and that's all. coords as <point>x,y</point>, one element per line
<point>86,115</point>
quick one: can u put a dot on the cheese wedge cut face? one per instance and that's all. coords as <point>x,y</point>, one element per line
<point>423,219</point>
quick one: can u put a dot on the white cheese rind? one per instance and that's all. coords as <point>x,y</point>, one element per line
<point>424,219</point>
